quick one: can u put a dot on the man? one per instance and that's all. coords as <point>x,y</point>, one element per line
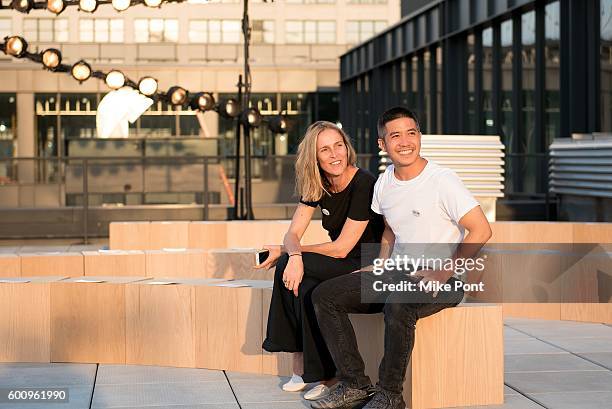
<point>421,203</point>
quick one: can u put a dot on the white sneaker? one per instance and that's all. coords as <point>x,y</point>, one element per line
<point>318,392</point>
<point>295,384</point>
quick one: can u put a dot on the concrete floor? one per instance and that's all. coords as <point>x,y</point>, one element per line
<point>549,364</point>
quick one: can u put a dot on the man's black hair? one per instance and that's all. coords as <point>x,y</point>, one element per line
<point>395,113</point>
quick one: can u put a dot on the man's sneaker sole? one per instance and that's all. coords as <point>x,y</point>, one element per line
<point>355,405</point>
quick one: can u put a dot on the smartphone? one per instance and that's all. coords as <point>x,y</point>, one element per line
<point>261,256</point>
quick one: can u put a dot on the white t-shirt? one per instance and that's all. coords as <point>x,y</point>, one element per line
<point>426,209</point>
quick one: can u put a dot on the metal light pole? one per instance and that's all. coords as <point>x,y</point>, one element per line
<point>246,129</point>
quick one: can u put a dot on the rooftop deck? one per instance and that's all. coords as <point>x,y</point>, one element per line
<point>548,364</point>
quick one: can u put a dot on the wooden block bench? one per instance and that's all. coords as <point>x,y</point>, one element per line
<point>235,264</point>
<point>51,264</point>
<point>457,360</point>
<point>88,320</point>
<point>25,319</point>
<point>229,326</point>
<point>116,263</point>
<point>10,265</point>
<point>176,263</point>
<point>168,235</point>
<point>160,324</point>
<point>256,233</point>
<point>206,234</point>
<point>129,235</point>
<point>574,287</point>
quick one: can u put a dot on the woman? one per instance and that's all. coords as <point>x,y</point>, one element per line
<point>326,176</point>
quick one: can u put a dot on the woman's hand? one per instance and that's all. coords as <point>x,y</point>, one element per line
<point>294,272</point>
<point>275,253</point>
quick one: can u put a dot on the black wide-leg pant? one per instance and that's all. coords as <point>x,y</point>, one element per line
<point>292,323</point>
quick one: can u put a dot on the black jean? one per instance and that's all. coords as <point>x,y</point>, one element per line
<point>292,323</point>
<point>336,298</point>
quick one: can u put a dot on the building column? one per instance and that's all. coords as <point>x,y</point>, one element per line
<point>26,140</point>
<point>579,67</point>
<point>455,85</point>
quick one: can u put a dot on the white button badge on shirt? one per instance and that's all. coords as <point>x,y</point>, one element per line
<point>325,212</point>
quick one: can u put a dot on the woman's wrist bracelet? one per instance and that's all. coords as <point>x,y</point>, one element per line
<point>295,254</point>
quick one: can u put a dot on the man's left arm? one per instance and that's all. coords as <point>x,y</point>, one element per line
<point>461,207</point>
<point>479,232</point>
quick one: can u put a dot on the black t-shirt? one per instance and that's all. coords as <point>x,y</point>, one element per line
<point>354,203</point>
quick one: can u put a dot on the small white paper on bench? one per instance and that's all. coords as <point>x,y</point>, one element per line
<point>16,280</point>
<point>160,282</point>
<point>232,285</point>
<point>106,251</point>
<point>88,280</point>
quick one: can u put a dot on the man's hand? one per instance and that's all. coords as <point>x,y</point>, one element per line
<point>275,253</point>
<point>294,272</point>
<point>434,275</point>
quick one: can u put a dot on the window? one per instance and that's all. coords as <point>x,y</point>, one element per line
<point>46,29</point>
<point>155,30</point>
<point>426,121</point>
<point>262,32</point>
<point>358,31</point>
<point>101,30</point>
<point>507,58</point>
<point>606,65</point>
<point>215,31</point>
<point>552,35</point>
<point>294,32</point>
<point>471,85</point>
<point>8,133</point>
<point>488,113</point>
<point>507,108</point>
<point>6,27</point>
<point>530,165</point>
<point>310,32</point>
<point>198,31</point>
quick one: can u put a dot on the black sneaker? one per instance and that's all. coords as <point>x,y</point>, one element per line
<point>383,399</point>
<point>343,397</point>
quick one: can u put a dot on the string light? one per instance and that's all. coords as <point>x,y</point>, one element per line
<point>121,5</point>
<point>115,79</point>
<point>178,95</point>
<point>230,109</point>
<point>51,59</point>
<point>88,6</point>
<point>56,6</point>
<point>81,71</point>
<point>203,101</point>
<point>23,6</point>
<point>278,124</point>
<point>147,86</point>
<point>252,117</point>
<point>16,46</point>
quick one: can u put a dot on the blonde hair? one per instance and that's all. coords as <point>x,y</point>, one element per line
<point>310,182</point>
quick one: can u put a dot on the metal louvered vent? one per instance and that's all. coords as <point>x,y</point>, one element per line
<point>477,159</point>
<point>581,165</point>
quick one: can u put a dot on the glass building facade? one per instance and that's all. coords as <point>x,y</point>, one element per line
<point>529,71</point>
